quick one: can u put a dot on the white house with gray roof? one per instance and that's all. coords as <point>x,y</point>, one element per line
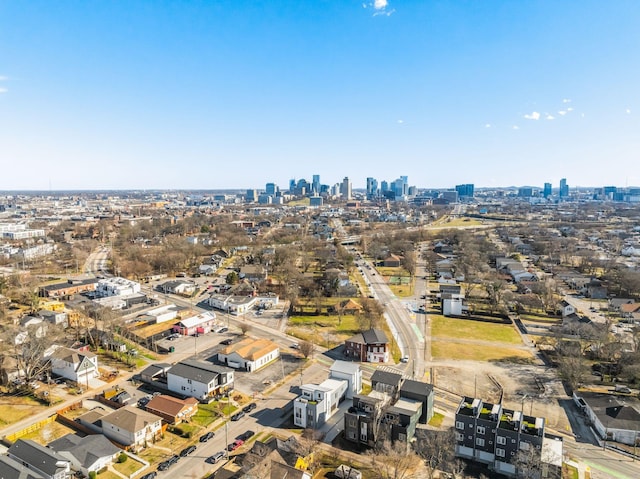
<point>40,459</point>
<point>349,372</point>
<point>199,379</point>
<point>86,454</point>
<point>131,426</point>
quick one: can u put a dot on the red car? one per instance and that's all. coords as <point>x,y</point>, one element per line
<point>235,445</point>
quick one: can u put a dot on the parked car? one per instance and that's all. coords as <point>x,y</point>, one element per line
<point>226,342</point>
<point>223,329</point>
<point>142,402</point>
<point>237,416</point>
<point>218,456</point>
<point>173,459</point>
<point>404,359</point>
<point>249,407</point>
<point>246,435</point>
<point>164,465</point>
<point>235,445</point>
<point>205,437</point>
<point>187,450</point>
<point>151,475</point>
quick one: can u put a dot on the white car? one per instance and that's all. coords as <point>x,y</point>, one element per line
<point>404,359</point>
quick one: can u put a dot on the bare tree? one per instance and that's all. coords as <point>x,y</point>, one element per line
<point>245,328</point>
<point>307,348</point>
<point>394,460</point>
<point>437,450</point>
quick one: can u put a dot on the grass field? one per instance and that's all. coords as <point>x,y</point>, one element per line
<point>108,475</point>
<point>443,327</point>
<point>128,467</point>
<point>14,409</point>
<point>477,352</point>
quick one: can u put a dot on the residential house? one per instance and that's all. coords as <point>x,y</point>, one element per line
<point>195,325</point>
<point>362,421</point>
<point>614,304</point>
<point>58,318</point>
<point>90,453</point>
<point>370,346</point>
<point>75,365</point>
<point>400,419</point>
<point>392,410</point>
<point>249,354</point>
<point>567,309</point>
<point>318,402</point>
<point>40,459</point>
<point>614,418</point>
<point>349,372</point>
<point>387,382</point>
<point>392,261</point>
<point>199,379</point>
<point>595,289</point>
<point>419,391</point>
<point>12,469</point>
<point>131,426</point>
<point>253,272</point>
<point>172,410</point>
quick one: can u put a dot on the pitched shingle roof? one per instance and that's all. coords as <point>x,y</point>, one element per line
<point>87,450</point>
<point>38,456</point>
<point>251,349</point>
<point>130,418</point>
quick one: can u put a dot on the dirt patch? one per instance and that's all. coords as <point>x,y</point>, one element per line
<point>537,384</point>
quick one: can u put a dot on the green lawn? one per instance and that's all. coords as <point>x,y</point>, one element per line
<point>477,352</point>
<point>443,327</point>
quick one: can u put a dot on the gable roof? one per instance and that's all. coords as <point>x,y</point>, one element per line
<point>71,355</point>
<point>197,371</point>
<point>251,349</point>
<point>12,469</point>
<point>130,418</point>
<point>386,377</point>
<point>372,336</point>
<point>170,405</point>
<point>416,387</point>
<point>87,450</point>
<point>38,456</point>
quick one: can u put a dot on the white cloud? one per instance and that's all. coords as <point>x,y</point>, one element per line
<point>400,122</point>
<point>3,78</point>
<point>562,113</point>
<point>3,90</point>
<point>628,111</point>
<point>515,127</point>
<point>569,109</point>
<point>380,7</point>
<point>550,117</point>
<point>364,5</point>
<point>380,4</point>
<point>533,116</point>
<point>566,100</point>
<point>487,125</point>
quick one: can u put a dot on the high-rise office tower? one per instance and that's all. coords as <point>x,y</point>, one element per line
<point>345,188</point>
<point>547,190</point>
<point>315,184</point>
<point>270,189</point>
<point>564,188</point>
<point>372,188</point>
<point>465,191</point>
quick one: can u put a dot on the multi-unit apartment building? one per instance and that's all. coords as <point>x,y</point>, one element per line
<point>493,435</point>
<point>391,411</point>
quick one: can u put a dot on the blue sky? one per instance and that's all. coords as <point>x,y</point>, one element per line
<point>234,94</point>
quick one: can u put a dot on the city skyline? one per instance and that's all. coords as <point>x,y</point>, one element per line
<point>231,95</point>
